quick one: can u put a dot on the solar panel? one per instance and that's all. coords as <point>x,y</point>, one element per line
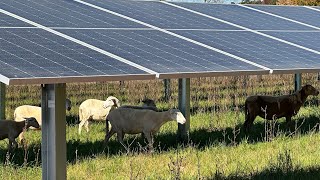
<point>307,39</point>
<point>161,15</point>
<point>244,17</point>
<point>262,50</point>
<point>65,14</point>
<point>144,39</point>
<point>297,13</point>
<point>34,53</point>
<point>160,52</point>
<point>7,21</point>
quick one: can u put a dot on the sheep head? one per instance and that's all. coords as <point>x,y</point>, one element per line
<point>176,115</point>
<point>31,121</point>
<point>68,104</point>
<point>148,103</point>
<point>111,101</point>
<point>310,90</point>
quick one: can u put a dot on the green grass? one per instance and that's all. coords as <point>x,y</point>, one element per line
<point>217,150</point>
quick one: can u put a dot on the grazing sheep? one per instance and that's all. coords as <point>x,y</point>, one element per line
<point>94,109</point>
<point>21,112</point>
<point>133,121</point>
<point>147,104</point>
<point>11,129</point>
<point>271,107</point>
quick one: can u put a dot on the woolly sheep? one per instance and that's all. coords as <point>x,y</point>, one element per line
<point>21,112</point>
<point>271,107</point>
<point>133,121</point>
<point>11,129</point>
<point>94,109</point>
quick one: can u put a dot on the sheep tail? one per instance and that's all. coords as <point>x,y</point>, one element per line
<point>107,125</point>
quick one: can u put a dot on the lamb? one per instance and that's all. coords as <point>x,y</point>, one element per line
<point>271,107</point>
<point>21,112</point>
<point>94,109</point>
<point>133,121</point>
<point>11,129</point>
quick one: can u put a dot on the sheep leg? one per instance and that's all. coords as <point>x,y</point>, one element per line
<point>12,143</point>
<point>120,136</point>
<point>249,122</point>
<point>149,137</point>
<point>21,138</point>
<point>289,123</point>
<point>81,124</point>
<point>87,126</point>
<point>108,135</point>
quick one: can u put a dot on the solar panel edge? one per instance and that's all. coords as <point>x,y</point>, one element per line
<point>78,79</point>
<point>4,79</point>
<point>212,74</point>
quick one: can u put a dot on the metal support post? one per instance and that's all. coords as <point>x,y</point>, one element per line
<point>167,89</point>
<point>184,106</point>
<point>297,81</point>
<point>2,101</point>
<point>53,149</point>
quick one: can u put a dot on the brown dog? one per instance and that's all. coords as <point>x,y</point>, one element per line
<point>272,107</point>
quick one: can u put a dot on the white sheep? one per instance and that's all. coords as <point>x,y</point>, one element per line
<point>24,111</point>
<point>133,121</point>
<point>94,109</point>
<point>12,129</point>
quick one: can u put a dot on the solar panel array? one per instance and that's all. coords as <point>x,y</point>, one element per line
<point>44,41</point>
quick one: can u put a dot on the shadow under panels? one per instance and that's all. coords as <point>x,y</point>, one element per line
<point>37,56</point>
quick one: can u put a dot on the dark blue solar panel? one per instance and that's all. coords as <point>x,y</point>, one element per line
<point>257,48</point>
<point>307,39</point>
<point>37,53</point>
<point>7,21</point>
<point>160,15</point>
<point>160,52</point>
<point>297,13</point>
<point>65,13</point>
<point>244,17</point>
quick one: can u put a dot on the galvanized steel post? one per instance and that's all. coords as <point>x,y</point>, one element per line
<point>184,106</point>
<point>2,101</point>
<point>53,144</point>
<point>297,81</point>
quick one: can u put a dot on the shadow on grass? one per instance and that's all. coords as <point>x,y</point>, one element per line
<point>200,138</point>
<point>311,173</point>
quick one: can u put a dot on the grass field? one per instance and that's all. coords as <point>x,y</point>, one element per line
<point>218,149</point>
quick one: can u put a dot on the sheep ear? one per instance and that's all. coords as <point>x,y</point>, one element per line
<point>116,102</point>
